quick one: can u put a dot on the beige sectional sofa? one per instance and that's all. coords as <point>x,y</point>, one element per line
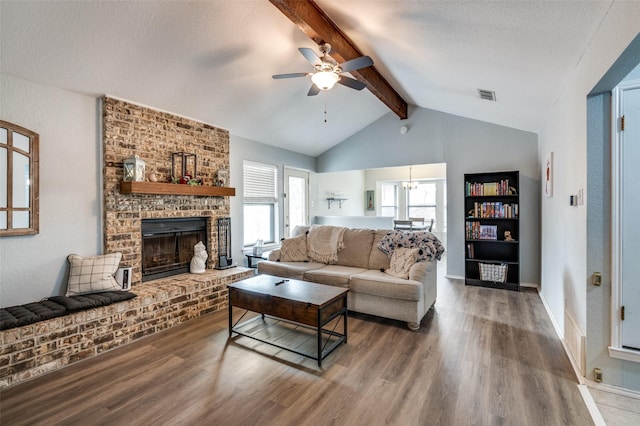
<point>359,267</point>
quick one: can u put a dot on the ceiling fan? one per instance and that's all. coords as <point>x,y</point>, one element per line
<point>327,72</point>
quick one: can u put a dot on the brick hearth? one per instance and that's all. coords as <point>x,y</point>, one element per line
<point>37,349</point>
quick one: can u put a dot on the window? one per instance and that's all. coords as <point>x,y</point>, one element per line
<point>260,202</point>
<point>389,199</point>
<point>429,201</point>
<point>19,187</point>
<point>422,202</point>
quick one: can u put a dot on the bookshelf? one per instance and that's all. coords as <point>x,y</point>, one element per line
<point>492,231</point>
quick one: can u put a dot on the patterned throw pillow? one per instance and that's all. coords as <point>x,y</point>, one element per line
<point>93,274</point>
<point>401,261</point>
<point>294,249</point>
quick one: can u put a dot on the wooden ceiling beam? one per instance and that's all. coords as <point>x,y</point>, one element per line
<point>312,20</point>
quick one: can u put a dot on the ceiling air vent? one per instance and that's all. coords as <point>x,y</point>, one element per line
<point>488,95</point>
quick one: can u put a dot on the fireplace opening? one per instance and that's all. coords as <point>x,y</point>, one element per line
<point>167,245</point>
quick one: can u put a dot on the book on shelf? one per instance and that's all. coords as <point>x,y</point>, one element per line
<point>470,253</point>
<point>494,210</point>
<point>501,187</point>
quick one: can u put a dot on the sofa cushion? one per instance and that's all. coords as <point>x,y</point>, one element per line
<point>293,270</point>
<point>93,274</point>
<point>378,259</point>
<point>401,261</point>
<point>382,284</point>
<point>335,275</point>
<point>294,249</point>
<point>357,248</point>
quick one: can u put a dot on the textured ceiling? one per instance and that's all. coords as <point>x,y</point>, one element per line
<point>213,61</point>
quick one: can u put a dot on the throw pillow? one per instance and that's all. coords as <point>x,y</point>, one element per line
<point>93,274</point>
<point>294,249</point>
<point>401,262</point>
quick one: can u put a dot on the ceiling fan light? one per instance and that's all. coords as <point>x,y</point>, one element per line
<point>325,80</point>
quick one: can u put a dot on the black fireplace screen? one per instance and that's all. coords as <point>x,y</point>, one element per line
<point>224,243</point>
<point>167,245</point>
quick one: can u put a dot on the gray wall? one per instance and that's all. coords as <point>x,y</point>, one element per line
<point>244,149</point>
<point>466,146</point>
<point>34,267</point>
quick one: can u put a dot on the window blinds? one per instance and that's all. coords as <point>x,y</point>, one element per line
<point>259,183</point>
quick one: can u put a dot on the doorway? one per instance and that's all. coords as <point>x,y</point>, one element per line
<point>296,199</point>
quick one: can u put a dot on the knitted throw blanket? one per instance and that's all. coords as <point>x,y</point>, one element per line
<point>324,242</point>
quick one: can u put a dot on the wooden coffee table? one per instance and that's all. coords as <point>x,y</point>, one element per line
<point>299,303</point>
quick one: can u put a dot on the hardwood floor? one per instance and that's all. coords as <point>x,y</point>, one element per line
<point>482,357</point>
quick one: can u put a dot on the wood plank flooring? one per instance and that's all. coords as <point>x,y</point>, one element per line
<point>482,357</point>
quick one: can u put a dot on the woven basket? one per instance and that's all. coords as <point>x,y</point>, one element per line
<point>493,272</point>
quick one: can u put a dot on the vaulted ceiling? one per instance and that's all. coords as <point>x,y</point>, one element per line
<point>213,61</point>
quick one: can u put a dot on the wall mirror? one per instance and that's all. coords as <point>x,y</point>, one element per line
<point>19,180</point>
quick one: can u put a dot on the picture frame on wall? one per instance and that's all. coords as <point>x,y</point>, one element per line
<point>548,175</point>
<point>369,200</point>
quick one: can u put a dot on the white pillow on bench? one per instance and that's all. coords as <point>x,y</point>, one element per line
<point>93,274</point>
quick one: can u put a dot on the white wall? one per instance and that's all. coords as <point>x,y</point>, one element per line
<point>466,146</point>
<point>35,267</point>
<point>350,184</point>
<point>564,273</point>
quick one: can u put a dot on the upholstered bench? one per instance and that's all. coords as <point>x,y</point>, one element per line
<point>17,316</point>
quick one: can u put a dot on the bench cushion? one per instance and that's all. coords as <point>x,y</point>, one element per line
<point>17,316</point>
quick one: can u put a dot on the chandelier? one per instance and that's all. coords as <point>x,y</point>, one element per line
<point>411,184</point>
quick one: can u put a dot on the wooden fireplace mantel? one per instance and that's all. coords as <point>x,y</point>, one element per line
<point>158,188</point>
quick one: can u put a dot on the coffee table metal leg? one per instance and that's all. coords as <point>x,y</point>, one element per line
<point>319,338</point>
<point>345,318</point>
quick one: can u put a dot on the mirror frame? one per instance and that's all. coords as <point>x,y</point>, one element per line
<point>34,198</point>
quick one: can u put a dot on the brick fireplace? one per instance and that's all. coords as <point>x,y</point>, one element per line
<point>153,135</point>
<point>36,349</point>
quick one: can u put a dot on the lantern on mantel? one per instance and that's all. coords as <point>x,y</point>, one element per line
<point>133,169</point>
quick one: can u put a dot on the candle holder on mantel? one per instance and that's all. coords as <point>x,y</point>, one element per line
<point>133,167</point>
<point>182,161</point>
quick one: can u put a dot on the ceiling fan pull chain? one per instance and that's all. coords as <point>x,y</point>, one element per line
<point>325,107</point>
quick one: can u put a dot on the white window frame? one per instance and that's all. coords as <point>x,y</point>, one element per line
<point>263,190</point>
<point>440,205</point>
<point>395,196</point>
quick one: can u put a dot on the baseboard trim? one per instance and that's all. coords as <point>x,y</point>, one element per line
<point>596,416</point>
<point>575,340</point>
<point>559,332</point>
<point>576,369</point>
<point>454,277</point>
<point>628,393</point>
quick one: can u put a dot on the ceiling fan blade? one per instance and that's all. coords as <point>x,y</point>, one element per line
<point>292,75</point>
<point>310,56</point>
<point>357,63</point>
<point>352,83</point>
<point>313,90</point>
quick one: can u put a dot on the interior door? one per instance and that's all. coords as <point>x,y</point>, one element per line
<point>296,200</point>
<point>630,158</point>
